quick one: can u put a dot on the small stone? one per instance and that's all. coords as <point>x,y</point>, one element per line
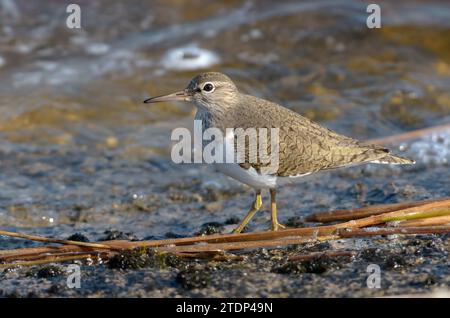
<point>130,259</point>
<point>210,228</point>
<point>78,237</point>
<point>118,235</point>
<point>232,220</point>
<point>193,278</point>
<point>49,272</point>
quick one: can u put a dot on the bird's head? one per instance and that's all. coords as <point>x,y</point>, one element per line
<point>207,91</point>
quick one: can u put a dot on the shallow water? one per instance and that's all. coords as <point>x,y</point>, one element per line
<point>79,152</point>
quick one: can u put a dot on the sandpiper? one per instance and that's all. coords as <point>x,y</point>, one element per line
<point>304,147</point>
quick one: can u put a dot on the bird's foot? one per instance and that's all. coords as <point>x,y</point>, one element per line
<point>277,226</point>
<point>237,230</point>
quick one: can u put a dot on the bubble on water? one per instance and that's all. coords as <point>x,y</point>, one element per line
<point>189,58</point>
<point>97,48</point>
<point>48,219</point>
<point>138,196</point>
<point>403,147</point>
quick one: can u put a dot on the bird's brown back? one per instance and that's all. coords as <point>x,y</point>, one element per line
<point>304,146</point>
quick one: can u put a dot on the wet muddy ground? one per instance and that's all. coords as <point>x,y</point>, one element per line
<point>407,266</point>
<point>80,153</point>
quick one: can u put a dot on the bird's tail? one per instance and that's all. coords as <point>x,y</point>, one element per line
<point>395,160</point>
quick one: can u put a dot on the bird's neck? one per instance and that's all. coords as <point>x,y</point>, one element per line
<point>205,117</point>
<point>213,117</point>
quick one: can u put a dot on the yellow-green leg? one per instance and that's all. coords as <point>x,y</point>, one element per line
<point>273,205</point>
<point>255,207</point>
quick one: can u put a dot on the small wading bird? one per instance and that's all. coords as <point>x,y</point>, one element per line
<point>304,147</point>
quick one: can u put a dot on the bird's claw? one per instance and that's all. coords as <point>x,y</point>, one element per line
<point>277,226</point>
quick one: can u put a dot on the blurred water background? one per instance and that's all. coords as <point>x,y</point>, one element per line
<point>80,152</point>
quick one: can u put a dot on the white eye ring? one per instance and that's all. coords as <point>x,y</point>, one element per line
<point>208,87</point>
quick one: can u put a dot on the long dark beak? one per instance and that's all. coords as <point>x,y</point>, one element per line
<point>178,96</point>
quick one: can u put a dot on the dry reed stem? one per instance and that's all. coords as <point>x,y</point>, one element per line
<point>410,135</point>
<point>433,209</point>
<point>414,217</point>
<point>351,214</point>
<point>47,260</point>
<point>344,233</point>
<point>438,220</point>
<point>51,240</point>
<point>241,245</point>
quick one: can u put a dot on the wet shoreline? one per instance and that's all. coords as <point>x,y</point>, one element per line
<point>80,153</point>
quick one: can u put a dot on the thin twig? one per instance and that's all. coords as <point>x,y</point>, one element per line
<point>438,220</point>
<point>410,135</point>
<point>47,260</point>
<point>351,214</point>
<point>330,254</point>
<point>393,230</point>
<point>432,209</point>
<point>240,245</point>
<point>52,240</point>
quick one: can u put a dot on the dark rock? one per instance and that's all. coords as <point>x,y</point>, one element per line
<point>210,228</point>
<point>49,272</point>
<point>118,235</point>
<point>193,278</point>
<point>173,235</point>
<point>130,259</point>
<point>142,258</point>
<point>232,220</point>
<point>395,261</point>
<point>54,289</point>
<point>315,266</point>
<point>295,221</point>
<point>78,237</point>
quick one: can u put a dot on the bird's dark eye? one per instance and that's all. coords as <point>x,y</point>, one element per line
<point>208,87</point>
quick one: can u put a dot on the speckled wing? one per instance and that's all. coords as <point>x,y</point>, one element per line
<point>305,146</point>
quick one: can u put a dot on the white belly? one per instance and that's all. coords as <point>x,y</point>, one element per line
<point>250,176</point>
<point>253,179</point>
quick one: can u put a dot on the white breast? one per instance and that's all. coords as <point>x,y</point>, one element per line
<point>250,176</point>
